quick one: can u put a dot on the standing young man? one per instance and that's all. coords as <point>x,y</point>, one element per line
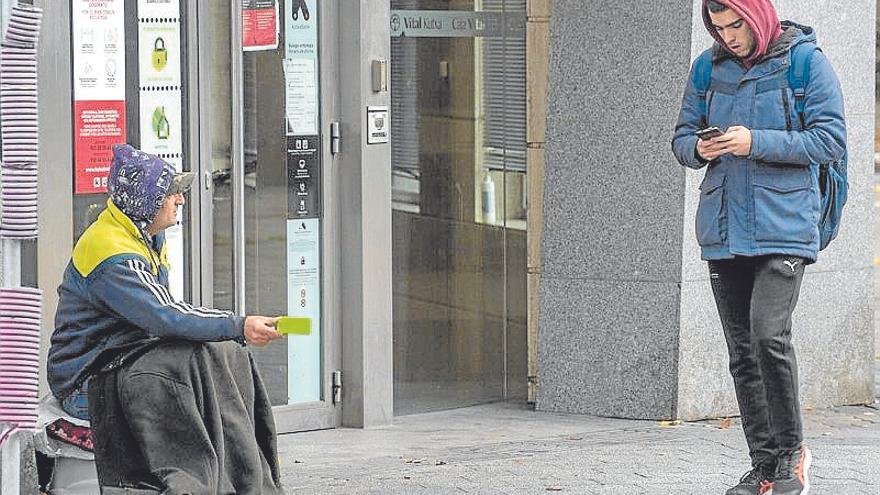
<point>757,222</point>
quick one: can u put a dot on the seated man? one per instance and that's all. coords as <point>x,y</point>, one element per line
<point>176,402</point>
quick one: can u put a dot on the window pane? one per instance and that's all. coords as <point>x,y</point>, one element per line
<point>458,188</point>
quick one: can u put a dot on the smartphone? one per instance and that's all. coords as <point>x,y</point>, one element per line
<point>709,133</point>
<point>294,325</point>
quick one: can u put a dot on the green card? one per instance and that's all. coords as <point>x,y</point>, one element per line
<point>294,325</point>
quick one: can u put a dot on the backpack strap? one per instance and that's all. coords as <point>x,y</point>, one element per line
<point>703,77</point>
<point>799,75</point>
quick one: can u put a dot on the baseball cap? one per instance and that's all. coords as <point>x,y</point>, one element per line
<point>181,182</point>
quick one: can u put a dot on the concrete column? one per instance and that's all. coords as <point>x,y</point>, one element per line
<point>628,326</point>
<point>55,242</point>
<point>365,212</point>
<point>613,208</point>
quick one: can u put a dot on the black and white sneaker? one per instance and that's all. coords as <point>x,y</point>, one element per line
<point>792,473</point>
<point>758,481</point>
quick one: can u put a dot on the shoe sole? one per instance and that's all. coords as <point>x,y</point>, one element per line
<point>808,460</point>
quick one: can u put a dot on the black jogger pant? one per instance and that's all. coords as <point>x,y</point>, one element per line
<point>756,297</point>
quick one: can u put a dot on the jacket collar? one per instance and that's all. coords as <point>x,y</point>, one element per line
<point>775,59</point>
<point>158,240</point>
<point>114,234</point>
<point>792,34</point>
<point>123,220</point>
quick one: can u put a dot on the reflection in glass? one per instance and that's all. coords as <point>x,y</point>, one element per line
<point>220,164</point>
<point>459,203</point>
<point>265,207</point>
<point>265,194</point>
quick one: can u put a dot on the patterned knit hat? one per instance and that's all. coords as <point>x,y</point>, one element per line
<point>138,182</point>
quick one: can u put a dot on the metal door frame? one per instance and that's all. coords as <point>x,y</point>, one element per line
<point>296,417</point>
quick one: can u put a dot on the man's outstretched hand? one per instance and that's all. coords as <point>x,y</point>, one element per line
<point>260,330</point>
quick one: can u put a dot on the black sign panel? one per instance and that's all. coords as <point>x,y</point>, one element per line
<point>303,177</point>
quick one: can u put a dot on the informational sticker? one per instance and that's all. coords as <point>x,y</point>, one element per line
<point>304,300</point>
<point>259,23</point>
<point>304,207</point>
<point>301,36</point>
<point>301,96</point>
<point>174,241</point>
<point>302,113</point>
<point>301,67</point>
<point>160,123</point>
<point>154,10</point>
<point>98,43</point>
<point>160,75</point>
<point>456,24</point>
<point>98,125</point>
<point>161,104</point>
<point>159,54</point>
<point>378,126</point>
<point>303,177</point>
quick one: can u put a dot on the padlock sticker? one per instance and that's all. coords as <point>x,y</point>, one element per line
<point>160,54</point>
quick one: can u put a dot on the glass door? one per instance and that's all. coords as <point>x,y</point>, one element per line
<point>264,222</point>
<point>459,202</point>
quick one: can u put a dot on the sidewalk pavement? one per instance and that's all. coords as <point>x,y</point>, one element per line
<point>510,449</point>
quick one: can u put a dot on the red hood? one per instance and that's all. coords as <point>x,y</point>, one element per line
<point>760,16</point>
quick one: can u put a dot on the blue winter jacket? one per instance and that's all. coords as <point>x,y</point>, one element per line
<point>766,202</point>
<point>115,296</point>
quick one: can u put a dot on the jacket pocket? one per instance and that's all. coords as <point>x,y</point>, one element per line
<point>785,205</point>
<point>711,213</point>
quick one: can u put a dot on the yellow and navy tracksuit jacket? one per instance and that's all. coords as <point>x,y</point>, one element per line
<point>115,295</point>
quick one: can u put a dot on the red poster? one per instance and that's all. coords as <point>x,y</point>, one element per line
<point>259,22</point>
<point>98,125</point>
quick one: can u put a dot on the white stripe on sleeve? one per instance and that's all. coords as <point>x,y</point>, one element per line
<point>166,299</point>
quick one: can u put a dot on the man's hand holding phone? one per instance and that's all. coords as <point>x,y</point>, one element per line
<point>713,143</point>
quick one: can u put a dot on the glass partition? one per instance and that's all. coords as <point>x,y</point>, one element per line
<point>265,206</point>
<point>459,202</point>
<point>282,191</point>
<point>219,162</point>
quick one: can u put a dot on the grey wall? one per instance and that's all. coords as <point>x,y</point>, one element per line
<point>55,242</point>
<point>611,247</point>
<point>628,326</point>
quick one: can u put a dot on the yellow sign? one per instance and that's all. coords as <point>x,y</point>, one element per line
<point>160,54</point>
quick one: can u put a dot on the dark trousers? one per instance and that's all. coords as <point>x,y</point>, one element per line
<point>755,299</point>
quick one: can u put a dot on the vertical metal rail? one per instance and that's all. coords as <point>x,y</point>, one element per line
<point>505,343</point>
<point>10,249</point>
<point>193,89</point>
<point>238,224</point>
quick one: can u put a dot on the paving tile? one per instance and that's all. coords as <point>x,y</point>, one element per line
<point>504,449</point>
